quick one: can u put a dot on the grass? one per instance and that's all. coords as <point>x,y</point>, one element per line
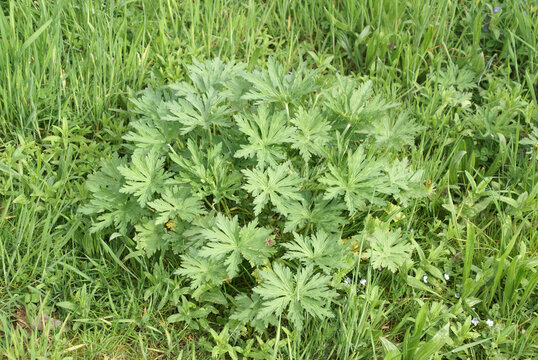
<point>68,68</point>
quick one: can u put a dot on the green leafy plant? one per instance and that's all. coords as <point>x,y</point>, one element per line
<point>296,294</point>
<point>389,249</point>
<point>231,174</point>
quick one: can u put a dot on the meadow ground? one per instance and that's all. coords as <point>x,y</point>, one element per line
<point>466,71</point>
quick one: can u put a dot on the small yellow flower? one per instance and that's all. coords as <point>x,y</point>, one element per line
<point>171,225</point>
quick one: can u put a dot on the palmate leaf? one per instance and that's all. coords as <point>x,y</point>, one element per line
<point>296,294</point>
<point>152,135</point>
<point>460,78</point>
<point>323,250</point>
<point>233,243</point>
<point>266,133</point>
<point>358,182</point>
<point>388,249</point>
<point>193,234</point>
<point>213,74</point>
<point>152,105</point>
<point>276,85</point>
<point>150,237</point>
<point>317,212</point>
<point>235,91</point>
<point>402,182</point>
<point>112,206</point>
<point>150,131</point>
<point>353,103</point>
<point>248,308</point>
<point>204,111</point>
<point>312,133</point>
<point>394,134</point>
<point>123,213</point>
<point>144,177</point>
<point>278,185</point>
<point>177,201</point>
<point>146,135</point>
<point>203,272</point>
<point>207,171</point>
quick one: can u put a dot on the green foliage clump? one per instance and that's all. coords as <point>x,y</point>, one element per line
<point>258,181</point>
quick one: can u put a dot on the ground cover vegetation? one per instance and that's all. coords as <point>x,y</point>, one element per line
<point>278,179</point>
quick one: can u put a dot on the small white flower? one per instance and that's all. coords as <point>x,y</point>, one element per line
<point>446,276</point>
<point>489,322</point>
<point>474,321</point>
<point>457,296</point>
<point>425,279</point>
<point>363,282</point>
<point>347,280</point>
